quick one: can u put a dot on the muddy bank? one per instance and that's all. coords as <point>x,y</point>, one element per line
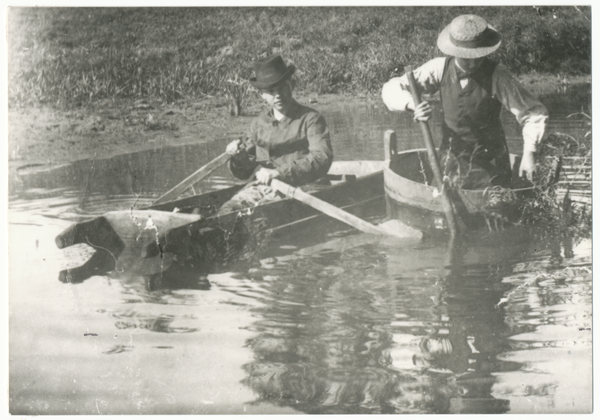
<point>49,136</point>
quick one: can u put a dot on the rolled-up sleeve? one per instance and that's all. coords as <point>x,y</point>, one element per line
<point>317,162</point>
<point>396,92</point>
<point>530,113</point>
<point>394,95</point>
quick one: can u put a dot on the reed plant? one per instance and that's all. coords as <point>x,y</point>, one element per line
<point>237,91</point>
<point>559,207</point>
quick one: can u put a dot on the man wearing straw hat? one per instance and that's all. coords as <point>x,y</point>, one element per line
<point>473,89</point>
<point>288,141</point>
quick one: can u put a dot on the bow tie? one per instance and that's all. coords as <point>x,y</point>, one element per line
<point>460,74</point>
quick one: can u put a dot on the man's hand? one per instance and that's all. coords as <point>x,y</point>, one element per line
<point>264,175</point>
<point>423,112</point>
<point>233,148</point>
<point>527,167</point>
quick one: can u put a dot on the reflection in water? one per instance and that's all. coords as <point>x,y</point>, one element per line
<point>340,335</point>
<point>177,277</point>
<point>148,173</point>
<point>118,348</point>
<point>367,328</point>
<point>470,335</point>
<point>161,323</point>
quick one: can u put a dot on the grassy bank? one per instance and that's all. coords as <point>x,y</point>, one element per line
<point>68,57</point>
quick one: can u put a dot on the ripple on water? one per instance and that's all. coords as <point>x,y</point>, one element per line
<point>356,327</point>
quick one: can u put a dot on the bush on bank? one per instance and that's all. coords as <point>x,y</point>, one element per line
<point>68,57</point>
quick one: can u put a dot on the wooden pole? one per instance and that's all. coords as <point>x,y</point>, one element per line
<point>325,207</point>
<point>197,176</point>
<point>433,157</point>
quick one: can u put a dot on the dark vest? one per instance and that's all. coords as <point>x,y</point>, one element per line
<point>472,124</point>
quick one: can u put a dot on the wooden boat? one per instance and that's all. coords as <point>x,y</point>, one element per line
<point>411,197</point>
<point>152,240</point>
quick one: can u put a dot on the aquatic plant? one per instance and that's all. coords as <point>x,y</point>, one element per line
<point>237,92</point>
<point>559,207</point>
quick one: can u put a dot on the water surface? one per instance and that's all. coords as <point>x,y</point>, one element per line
<point>350,324</point>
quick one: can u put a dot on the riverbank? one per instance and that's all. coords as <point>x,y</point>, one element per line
<point>95,82</point>
<point>42,135</point>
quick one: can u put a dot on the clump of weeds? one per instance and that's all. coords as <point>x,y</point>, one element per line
<point>559,207</point>
<point>237,91</point>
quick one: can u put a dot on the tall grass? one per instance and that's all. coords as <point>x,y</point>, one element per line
<point>73,56</point>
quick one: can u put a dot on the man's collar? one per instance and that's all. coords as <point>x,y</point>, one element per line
<point>458,65</point>
<point>460,72</point>
<point>278,115</point>
<point>291,113</point>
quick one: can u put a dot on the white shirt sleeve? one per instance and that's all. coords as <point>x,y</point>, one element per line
<point>396,93</point>
<point>528,110</point>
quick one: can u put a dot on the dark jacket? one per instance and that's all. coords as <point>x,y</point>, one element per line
<point>298,146</point>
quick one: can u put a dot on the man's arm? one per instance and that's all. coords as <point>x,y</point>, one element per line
<point>528,110</point>
<point>317,162</point>
<point>396,92</point>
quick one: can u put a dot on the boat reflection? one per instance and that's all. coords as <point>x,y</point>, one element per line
<point>138,173</point>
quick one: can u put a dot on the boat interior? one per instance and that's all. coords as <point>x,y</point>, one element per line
<point>414,165</point>
<point>207,203</point>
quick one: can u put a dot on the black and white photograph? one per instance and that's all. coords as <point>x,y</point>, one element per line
<point>277,209</point>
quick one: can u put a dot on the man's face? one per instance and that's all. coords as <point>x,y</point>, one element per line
<point>279,97</point>
<point>469,65</point>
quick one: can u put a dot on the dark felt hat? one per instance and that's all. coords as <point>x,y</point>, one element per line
<point>270,72</point>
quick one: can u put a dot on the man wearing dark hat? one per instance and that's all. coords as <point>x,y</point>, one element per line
<point>289,141</point>
<point>473,89</point>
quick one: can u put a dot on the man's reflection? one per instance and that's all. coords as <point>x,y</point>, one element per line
<point>474,333</point>
<point>325,340</point>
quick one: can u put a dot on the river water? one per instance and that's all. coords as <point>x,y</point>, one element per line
<point>350,325</point>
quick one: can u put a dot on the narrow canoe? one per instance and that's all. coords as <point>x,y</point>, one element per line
<point>149,241</point>
<point>411,197</point>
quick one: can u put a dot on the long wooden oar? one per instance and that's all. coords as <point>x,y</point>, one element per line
<point>325,207</point>
<point>433,158</point>
<point>197,176</point>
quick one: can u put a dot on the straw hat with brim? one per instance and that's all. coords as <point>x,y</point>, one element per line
<point>270,72</point>
<point>469,36</point>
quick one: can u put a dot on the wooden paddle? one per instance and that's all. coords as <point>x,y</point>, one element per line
<point>197,176</point>
<point>433,157</point>
<point>328,209</point>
